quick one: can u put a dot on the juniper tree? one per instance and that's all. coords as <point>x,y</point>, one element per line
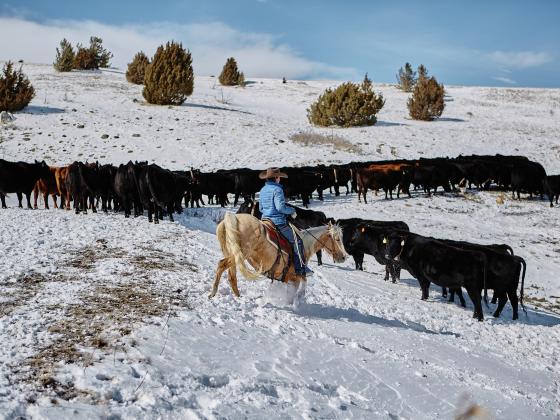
<point>422,71</point>
<point>101,56</point>
<point>348,105</point>
<point>230,75</point>
<point>427,100</point>
<point>406,78</point>
<point>64,60</point>
<point>16,90</point>
<point>137,68</point>
<point>169,78</point>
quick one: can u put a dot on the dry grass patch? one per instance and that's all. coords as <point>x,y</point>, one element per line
<point>21,291</point>
<point>85,258</point>
<point>99,322</point>
<point>310,138</point>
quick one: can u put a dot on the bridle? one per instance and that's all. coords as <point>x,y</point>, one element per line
<point>314,237</point>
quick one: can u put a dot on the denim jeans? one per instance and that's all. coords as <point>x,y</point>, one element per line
<point>299,260</point>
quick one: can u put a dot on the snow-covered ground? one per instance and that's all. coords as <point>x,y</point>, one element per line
<point>104,316</point>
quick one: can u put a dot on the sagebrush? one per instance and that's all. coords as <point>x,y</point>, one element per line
<point>169,78</point>
<point>16,90</point>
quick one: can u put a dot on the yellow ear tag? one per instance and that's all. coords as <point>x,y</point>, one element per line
<point>363,229</point>
<point>385,240</point>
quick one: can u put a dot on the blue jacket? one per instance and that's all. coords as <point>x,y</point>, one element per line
<point>272,203</point>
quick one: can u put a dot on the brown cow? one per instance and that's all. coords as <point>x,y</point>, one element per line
<point>60,176</point>
<point>384,176</point>
<point>46,186</point>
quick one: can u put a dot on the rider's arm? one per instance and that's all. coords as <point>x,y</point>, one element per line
<point>280,203</point>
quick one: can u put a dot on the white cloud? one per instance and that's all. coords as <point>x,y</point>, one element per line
<point>521,59</point>
<point>258,55</point>
<point>505,80</point>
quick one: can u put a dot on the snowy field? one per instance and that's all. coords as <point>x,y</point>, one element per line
<point>102,316</point>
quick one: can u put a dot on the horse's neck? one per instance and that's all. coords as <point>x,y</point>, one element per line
<point>310,238</point>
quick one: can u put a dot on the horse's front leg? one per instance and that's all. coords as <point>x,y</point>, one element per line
<point>300,294</point>
<point>222,266</point>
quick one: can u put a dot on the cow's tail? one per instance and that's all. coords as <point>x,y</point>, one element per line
<point>509,249</point>
<point>522,261</point>
<point>153,191</point>
<point>229,241</point>
<point>485,275</point>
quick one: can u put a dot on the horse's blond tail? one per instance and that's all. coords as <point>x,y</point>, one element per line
<point>229,240</point>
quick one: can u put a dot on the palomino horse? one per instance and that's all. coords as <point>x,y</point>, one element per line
<point>243,238</point>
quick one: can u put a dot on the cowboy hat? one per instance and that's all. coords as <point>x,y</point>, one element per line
<point>272,173</point>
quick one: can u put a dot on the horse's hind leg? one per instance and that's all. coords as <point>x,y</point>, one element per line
<point>232,278</point>
<point>222,266</point>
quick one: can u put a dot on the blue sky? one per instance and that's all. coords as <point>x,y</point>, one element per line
<point>498,43</point>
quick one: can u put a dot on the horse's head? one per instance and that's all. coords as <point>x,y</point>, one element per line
<point>333,243</point>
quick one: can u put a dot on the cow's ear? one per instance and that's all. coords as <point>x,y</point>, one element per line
<point>385,240</point>
<point>402,242</point>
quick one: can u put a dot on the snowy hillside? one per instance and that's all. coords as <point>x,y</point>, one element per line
<point>104,316</point>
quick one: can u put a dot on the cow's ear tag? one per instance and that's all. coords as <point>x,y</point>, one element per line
<point>363,229</point>
<point>402,242</point>
<point>385,240</point>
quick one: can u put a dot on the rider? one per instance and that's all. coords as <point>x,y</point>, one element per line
<point>272,205</point>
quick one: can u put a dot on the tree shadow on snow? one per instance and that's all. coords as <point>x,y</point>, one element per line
<point>318,311</point>
<point>389,124</point>
<point>214,107</point>
<point>38,110</point>
<point>450,119</point>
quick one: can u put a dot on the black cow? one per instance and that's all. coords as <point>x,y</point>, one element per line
<point>342,176</point>
<point>165,190</point>
<point>553,188</point>
<point>362,236</point>
<point>246,184</point>
<point>126,188</point>
<point>528,177</point>
<point>20,178</point>
<point>216,184</point>
<point>504,270</point>
<point>83,183</point>
<point>301,182</point>
<point>432,261</point>
<point>433,173</point>
<point>305,218</point>
<point>106,186</point>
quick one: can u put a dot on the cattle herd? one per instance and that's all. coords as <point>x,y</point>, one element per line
<point>453,265</point>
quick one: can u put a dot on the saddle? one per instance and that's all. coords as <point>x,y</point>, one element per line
<point>276,238</point>
<point>285,250</point>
